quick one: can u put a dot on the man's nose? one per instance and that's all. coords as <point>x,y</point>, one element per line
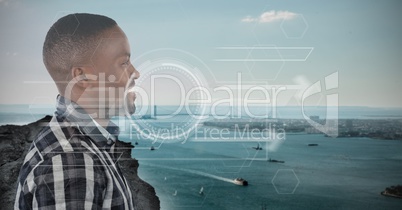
<point>135,72</point>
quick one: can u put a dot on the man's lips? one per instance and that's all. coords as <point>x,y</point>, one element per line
<point>131,96</point>
<point>131,81</point>
<point>130,84</point>
<point>129,103</point>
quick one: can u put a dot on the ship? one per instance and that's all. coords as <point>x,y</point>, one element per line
<point>258,147</point>
<point>312,145</point>
<point>240,181</point>
<point>275,161</point>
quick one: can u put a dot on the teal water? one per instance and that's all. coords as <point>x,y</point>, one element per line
<point>342,173</point>
<point>25,113</point>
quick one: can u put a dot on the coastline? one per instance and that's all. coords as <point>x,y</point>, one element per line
<point>393,191</point>
<point>385,193</point>
<point>15,141</point>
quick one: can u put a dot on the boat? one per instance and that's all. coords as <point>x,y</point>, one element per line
<point>275,161</point>
<point>136,143</point>
<point>240,181</point>
<point>311,145</point>
<point>258,147</point>
<point>152,148</point>
<point>201,191</point>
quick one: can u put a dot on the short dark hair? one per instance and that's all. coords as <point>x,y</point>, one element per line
<point>72,40</point>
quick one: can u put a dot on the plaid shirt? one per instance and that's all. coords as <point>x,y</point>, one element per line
<point>72,165</point>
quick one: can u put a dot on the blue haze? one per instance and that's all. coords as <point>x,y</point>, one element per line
<point>340,173</point>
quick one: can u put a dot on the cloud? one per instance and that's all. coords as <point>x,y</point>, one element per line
<point>248,19</point>
<point>270,16</point>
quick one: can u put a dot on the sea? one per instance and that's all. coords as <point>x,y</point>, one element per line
<point>198,172</point>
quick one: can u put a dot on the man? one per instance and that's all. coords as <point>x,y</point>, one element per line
<point>72,164</point>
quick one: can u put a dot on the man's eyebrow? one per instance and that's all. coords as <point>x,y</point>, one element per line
<point>126,54</point>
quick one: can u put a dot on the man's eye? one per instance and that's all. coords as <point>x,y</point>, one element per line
<point>126,63</point>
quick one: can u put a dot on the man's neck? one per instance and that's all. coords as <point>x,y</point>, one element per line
<point>101,116</point>
<point>102,119</point>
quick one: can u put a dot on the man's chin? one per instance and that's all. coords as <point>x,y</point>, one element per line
<point>131,109</point>
<point>129,103</point>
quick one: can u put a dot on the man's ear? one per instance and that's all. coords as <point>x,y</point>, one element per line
<point>82,75</point>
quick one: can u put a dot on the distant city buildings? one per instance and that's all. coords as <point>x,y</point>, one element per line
<point>349,124</point>
<point>371,128</point>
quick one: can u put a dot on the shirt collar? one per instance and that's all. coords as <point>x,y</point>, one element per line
<point>75,114</point>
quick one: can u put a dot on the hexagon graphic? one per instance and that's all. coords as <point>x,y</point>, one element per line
<point>285,181</point>
<point>264,59</point>
<point>294,28</point>
<point>66,31</point>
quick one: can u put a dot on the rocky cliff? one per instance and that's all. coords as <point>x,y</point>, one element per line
<point>14,144</point>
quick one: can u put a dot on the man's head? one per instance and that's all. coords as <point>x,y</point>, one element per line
<point>87,55</point>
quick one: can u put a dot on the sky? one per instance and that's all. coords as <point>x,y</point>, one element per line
<point>273,43</point>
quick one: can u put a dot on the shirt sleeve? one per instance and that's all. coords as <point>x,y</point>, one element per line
<point>67,181</point>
